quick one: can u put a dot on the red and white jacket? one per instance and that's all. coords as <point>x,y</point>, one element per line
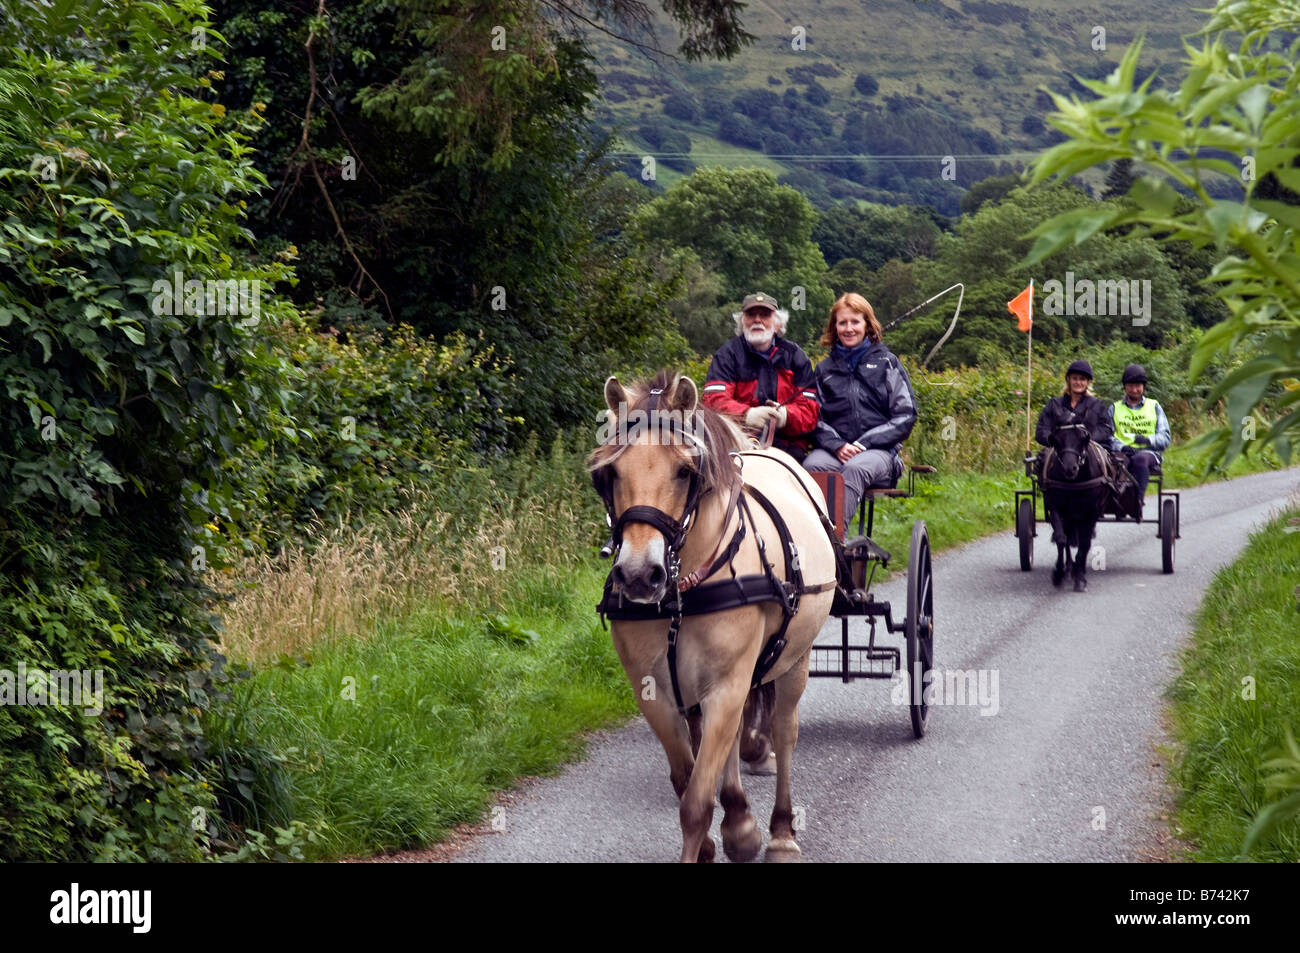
<point>740,378</point>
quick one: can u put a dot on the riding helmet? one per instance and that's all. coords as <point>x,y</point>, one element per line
<point>1080,367</point>
<point>1135,374</point>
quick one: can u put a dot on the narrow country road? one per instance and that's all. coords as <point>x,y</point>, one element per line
<point>1067,769</point>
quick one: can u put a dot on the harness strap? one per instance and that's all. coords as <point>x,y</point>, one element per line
<point>721,556</point>
<point>1094,450</point>
<point>1083,485</point>
<point>789,596</point>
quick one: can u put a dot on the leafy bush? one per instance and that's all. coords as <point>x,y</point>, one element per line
<point>371,416</point>
<point>739,131</point>
<point>680,106</point>
<point>119,410</point>
<point>817,94</point>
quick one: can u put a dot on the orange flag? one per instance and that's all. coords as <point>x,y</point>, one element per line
<point>1022,306</point>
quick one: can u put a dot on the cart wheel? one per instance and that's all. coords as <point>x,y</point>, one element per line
<point>1025,532</point>
<point>919,624</point>
<point>1167,533</point>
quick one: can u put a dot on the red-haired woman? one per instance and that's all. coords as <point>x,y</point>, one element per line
<point>868,407</point>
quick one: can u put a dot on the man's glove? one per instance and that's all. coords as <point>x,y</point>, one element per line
<point>780,416</point>
<point>756,417</point>
<point>1142,440</point>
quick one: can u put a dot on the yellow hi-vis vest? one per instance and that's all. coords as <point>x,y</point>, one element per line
<point>1134,420</point>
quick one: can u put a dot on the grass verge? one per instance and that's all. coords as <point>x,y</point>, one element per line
<point>1237,696</point>
<point>392,740</point>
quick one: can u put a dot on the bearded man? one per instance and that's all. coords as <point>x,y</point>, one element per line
<point>765,378</point>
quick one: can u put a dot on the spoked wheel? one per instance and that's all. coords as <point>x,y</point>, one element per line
<point>919,624</point>
<point>1168,530</point>
<point>1025,532</point>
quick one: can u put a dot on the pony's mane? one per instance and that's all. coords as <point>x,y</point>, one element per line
<point>716,434</point>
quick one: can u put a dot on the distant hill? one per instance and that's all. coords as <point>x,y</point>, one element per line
<point>881,92</point>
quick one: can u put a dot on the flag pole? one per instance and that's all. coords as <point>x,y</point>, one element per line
<point>1028,365</point>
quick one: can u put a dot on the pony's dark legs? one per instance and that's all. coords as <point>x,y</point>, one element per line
<point>1080,569</point>
<point>1074,519</point>
<point>1084,528</point>
<point>1062,540</point>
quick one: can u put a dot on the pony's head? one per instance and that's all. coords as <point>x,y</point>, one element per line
<point>1071,442</point>
<point>660,453</point>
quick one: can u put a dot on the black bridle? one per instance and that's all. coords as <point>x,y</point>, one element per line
<point>1082,453</point>
<point>674,530</point>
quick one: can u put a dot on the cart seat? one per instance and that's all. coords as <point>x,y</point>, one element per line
<point>832,486</point>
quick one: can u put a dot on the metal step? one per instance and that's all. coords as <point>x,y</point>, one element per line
<point>855,661</point>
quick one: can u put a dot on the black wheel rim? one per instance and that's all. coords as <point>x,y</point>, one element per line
<point>1167,534</point>
<point>1025,532</point>
<point>920,627</point>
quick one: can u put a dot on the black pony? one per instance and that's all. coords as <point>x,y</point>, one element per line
<point>1076,481</point>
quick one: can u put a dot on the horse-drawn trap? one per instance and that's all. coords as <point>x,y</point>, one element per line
<point>861,556</point>
<point>1028,508</point>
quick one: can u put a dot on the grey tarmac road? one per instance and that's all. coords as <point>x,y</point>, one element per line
<point>1080,686</point>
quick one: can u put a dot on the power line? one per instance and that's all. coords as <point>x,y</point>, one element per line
<point>822,158</point>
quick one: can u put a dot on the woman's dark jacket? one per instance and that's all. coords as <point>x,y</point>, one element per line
<point>1090,411</point>
<point>872,405</point>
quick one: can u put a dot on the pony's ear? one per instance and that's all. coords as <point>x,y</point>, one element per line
<point>614,394</point>
<point>685,396</point>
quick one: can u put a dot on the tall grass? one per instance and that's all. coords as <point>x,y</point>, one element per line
<point>460,547</point>
<point>1237,698</point>
<point>390,738</point>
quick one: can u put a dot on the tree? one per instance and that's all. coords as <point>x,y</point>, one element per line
<point>876,234</point>
<point>1238,96</point>
<point>750,230</point>
<point>741,131</point>
<point>817,94</point>
<point>488,224</point>
<point>680,106</point>
<point>700,308</point>
<point>984,252</point>
<point>849,274</point>
<point>866,84</point>
<point>988,190</point>
<point>1119,179</point>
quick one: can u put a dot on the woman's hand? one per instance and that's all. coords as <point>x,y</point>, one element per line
<point>847,451</point>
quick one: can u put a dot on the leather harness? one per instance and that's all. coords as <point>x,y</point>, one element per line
<point>1093,449</point>
<point>689,595</point>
